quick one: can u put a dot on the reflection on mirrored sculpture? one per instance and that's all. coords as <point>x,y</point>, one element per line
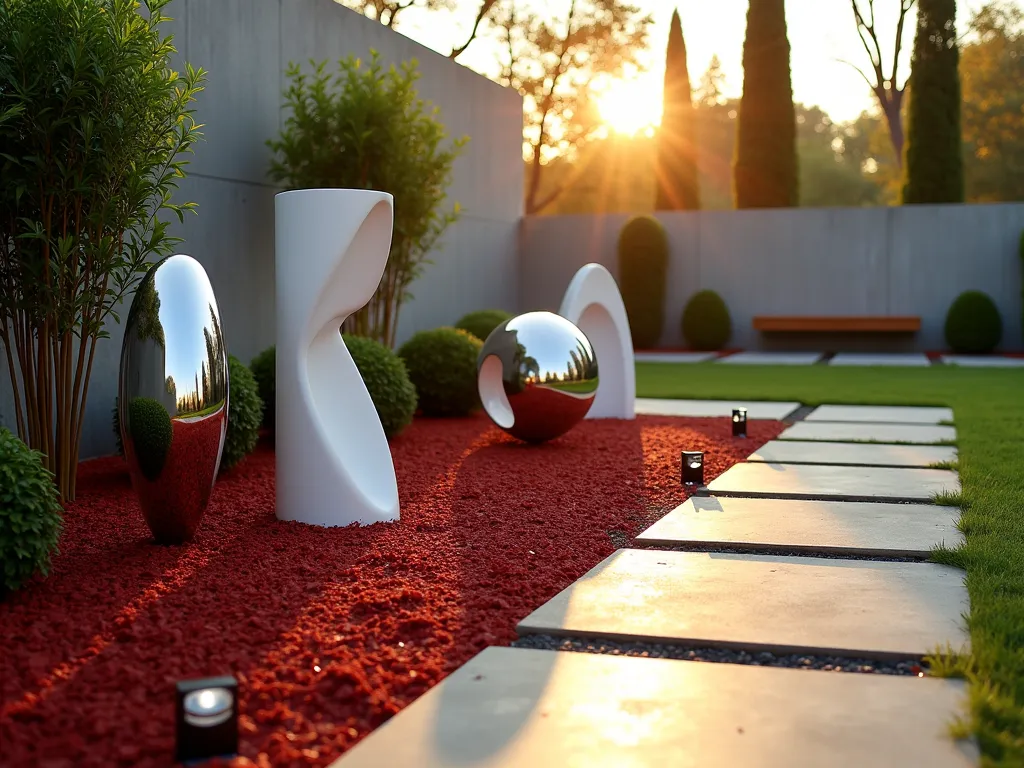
<point>173,396</point>
<point>537,376</point>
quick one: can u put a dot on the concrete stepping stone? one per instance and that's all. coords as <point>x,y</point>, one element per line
<point>713,408</point>
<point>852,454</point>
<point>983,361</point>
<point>807,527</point>
<point>771,358</point>
<point>673,357</point>
<point>882,414</point>
<point>514,707</point>
<point>821,481</point>
<point>860,358</point>
<point>812,605</point>
<point>833,432</point>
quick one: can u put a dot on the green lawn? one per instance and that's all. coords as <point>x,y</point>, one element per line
<point>988,407</point>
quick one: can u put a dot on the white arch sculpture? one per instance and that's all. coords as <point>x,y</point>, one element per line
<point>334,466</point>
<point>593,302</point>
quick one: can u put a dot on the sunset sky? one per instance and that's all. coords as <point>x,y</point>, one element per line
<point>820,31</point>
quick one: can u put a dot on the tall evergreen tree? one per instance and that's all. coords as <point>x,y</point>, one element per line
<point>678,183</point>
<point>765,165</point>
<point>933,165</point>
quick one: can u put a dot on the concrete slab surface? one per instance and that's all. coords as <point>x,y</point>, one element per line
<point>514,707</point>
<point>852,454</point>
<point>808,527</point>
<point>673,357</point>
<point>832,432</point>
<point>772,358</point>
<point>883,359</point>
<point>714,408</point>
<point>983,361</point>
<point>821,481</point>
<point>852,608</point>
<point>882,414</point>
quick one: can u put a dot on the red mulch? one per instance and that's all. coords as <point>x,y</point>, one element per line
<point>329,631</point>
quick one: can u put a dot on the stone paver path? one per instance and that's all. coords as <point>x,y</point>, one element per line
<point>852,454</point>
<point>881,414</point>
<point>853,608</point>
<point>983,361</point>
<point>714,408</point>
<point>807,527</point>
<point>674,357</point>
<point>922,434</point>
<point>859,358</point>
<point>771,358</point>
<point>819,481</point>
<point>512,708</point>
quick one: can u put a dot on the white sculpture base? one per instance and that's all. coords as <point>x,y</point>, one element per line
<point>593,302</point>
<point>334,465</point>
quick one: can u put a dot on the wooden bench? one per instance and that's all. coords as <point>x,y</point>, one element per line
<point>836,324</point>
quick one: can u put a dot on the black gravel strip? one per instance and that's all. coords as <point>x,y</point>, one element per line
<point>908,667</point>
<point>799,414</point>
<point>781,552</point>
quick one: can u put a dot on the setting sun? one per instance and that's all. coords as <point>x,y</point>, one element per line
<point>631,107</point>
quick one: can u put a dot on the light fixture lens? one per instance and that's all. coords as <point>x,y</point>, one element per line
<point>208,707</point>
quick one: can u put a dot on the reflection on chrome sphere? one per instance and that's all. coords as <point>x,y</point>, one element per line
<point>537,376</point>
<point>173,396</point>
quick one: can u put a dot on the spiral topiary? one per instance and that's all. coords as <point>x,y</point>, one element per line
<point>643,270</point>
<point>442,366</point>
<point>706,322</point>
<point>386,380</point>
<point>245,414</point>
<point>973,324</point>
<point>482,322</point>
<point>264,370</point>
<point>30,513</point>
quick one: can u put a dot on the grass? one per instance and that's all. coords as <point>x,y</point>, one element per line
<point>990,427</point>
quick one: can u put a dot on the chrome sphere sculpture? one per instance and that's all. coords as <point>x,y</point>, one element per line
<point>537,376</point>
<point>173,396</point>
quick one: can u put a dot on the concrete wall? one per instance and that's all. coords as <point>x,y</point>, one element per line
<point>246,46</point>
<point>831,261</point>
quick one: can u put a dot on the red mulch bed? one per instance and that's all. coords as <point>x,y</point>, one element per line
<point>329,631</point>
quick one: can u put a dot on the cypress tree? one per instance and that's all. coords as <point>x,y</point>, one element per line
<point>933,163</point>
<point>765,166</point>
<point>678,184</point>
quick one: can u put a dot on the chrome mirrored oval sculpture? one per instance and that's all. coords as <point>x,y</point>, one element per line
<point>173,396</point>
<point>537,376</point>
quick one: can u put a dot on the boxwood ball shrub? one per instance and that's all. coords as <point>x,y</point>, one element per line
<point>442,367</point>
<point>264,370</point>
<point>386,380</point>
<point>706,322</point>
<point>151,433</point>
<point>643,270</point>
<point>482,322</point>
<point>973,324</point>
<point>245,414</point>
<point>30,513</point>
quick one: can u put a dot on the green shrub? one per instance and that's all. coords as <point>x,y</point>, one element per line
<point>643,270</point>
<point>30,513</point>
<point>442,367</point>
<point>706,322</point>
<point>973,324</point>
<point>151,433</point>
<point>482,322</point>
<point>264,370</point>
<point>245,414</point>
<point>387,381</point>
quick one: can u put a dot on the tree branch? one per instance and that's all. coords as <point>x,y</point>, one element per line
<point>905,6</point>
<point>485,8</point>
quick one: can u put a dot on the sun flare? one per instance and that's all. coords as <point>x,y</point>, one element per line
<point>630,107</point>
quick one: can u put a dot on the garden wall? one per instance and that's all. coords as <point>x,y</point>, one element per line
<point>246,46</point>
<point>830,261</point>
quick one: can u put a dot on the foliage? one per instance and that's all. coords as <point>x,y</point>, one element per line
<point>677,182</point>
<point>94,126</point>
<point>559,61</point>
<point>386,380</point>
<point>442,366</point>
<point>115,418</point>
<point>264,370</point>
<point>365,128</point>
<point>387,11</point>
<point>643,271</point>
<point>933,164</point>
<point>151,434</point>
<point>30,513</point>
<point>973,324</point>
<point>706,321</point>
<point>482,322</point>
<point>830,177</point>
<point>986,403</point>
<point>765,169</point>
<point>245,414</point>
